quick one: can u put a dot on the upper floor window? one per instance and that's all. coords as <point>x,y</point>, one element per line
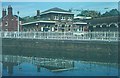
<point>48,18</point>
<point>56,18</point>
<point>69,18</point>
<point>63,18</point>
<point>6,23</point>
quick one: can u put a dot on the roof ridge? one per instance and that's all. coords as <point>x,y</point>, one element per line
<point>55,9</point>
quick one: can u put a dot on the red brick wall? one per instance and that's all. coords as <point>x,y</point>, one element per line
<point>12,23</point>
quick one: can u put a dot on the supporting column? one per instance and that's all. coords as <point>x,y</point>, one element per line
<point>41,28</point>
<point>52,28</point>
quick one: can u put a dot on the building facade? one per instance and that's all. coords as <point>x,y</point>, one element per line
<point>110,24</point>
<point>80,22</point>
<point>55,20</point>
<point>9,21</point>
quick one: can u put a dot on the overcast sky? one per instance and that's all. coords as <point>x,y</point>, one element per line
<point>29,8</point>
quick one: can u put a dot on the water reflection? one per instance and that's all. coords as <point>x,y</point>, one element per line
<point>14,65</point>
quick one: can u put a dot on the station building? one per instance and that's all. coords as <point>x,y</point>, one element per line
<point>55,20</point>
<point>104,24</point>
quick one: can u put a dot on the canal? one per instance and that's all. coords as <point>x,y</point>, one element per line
<point>59,58</point>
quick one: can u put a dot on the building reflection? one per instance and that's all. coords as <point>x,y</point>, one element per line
<point>10,62</point>
<point>38,68</point>
<point>53,65</point>
<point>9,66</point>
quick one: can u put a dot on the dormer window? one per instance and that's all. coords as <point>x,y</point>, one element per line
<point>6,23</point>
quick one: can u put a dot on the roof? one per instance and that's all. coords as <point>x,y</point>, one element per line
<point>82,17</point>
<point>56,10</point>
<point>13,17</point>
<point>111,19</point>
<point>38,22</point>
<point>21,19</point>
<point>80,23</point>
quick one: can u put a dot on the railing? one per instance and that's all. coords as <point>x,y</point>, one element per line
<point>98,36</point>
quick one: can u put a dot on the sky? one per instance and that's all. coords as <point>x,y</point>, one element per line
<point>60,0</point>
<point>29,8</point>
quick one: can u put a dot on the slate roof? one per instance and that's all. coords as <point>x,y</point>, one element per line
<point>111,19</point>
<point>21,19</point>
<point>56,9</point>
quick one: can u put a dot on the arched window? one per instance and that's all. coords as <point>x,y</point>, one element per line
<point>98,26</point>
<point>104,26</point>
<point>113,25</point>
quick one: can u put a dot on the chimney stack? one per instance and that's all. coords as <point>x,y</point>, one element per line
<point>38,12</point>
<point>3,12</point>
<point>10,10</point>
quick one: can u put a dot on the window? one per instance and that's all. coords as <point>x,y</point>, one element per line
<point>6,23</point>
<point>56,18</point>
<point>69,29</point>
<point>94,26</point>
<point>20,22</point>
<point>101,26</point>
<point>6,29</point>
<point>69,18</point>
<point>63,25</point>
<point>69,25</point>
<point>55,25</point>
<point>63,18</point>
<point>48,18</point>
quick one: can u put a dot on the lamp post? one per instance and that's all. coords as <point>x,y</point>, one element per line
<point>18,23</point>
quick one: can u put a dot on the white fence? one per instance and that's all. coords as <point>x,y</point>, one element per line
<point>98,36</point>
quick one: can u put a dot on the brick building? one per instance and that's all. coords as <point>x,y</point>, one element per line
<point>9,21</point>
<point>55,20</point>
<point>110,23</point>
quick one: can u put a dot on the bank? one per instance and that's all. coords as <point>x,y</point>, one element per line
<point>69,49</point>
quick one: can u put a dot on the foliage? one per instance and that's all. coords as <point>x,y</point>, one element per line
<point>95,14</point>
<point>90,13</point>
<point>113,12</point>
<point>29,19</point>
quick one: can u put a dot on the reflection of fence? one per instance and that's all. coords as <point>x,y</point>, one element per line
<point>100,36</point>
<point>46,62</point>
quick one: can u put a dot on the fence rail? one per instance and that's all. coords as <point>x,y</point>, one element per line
<point>100,36</point>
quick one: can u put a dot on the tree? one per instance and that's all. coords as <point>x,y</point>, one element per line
<point>113,12</point>
<point>90,13</point>
<point>29,19</point>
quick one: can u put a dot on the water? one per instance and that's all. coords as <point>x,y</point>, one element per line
<point>14,65</point>
<point>26,57</point>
